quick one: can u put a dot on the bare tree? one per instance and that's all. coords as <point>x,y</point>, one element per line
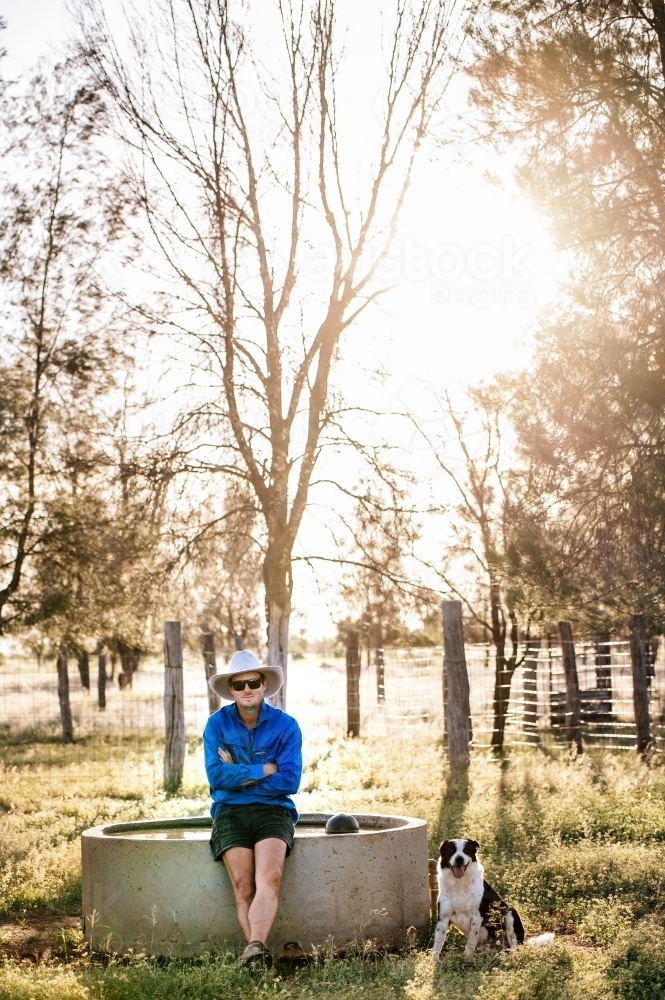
<point>484,554</point>
<point>375,588</point>
<point>224,560</point>
<point>242,163</point>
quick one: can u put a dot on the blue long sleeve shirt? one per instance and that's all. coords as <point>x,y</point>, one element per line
<point>276,737</point>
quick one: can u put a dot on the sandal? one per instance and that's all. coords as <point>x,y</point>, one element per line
<point>255,953</point>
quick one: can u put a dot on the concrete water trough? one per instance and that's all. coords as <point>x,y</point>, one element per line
<point>153,887</point>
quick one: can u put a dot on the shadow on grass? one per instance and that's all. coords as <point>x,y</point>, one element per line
<point>450,821</point>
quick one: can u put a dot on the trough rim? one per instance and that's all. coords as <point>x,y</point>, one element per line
<point>203,822</point>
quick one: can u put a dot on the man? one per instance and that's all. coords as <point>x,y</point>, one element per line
<point>253,758</point>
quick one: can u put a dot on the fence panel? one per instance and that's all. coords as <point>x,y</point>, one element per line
<point>401,701</point>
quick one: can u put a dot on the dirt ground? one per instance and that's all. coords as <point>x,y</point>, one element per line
<point>40,937</point>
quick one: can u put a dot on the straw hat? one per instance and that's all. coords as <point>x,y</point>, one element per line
<point>242,662</point>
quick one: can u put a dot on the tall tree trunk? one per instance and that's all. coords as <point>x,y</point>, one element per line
<point>210,667</point>
<point>101,676</point>
<point>502,681</point>
<point>278,586</point>
<point>638,641</point>
<point>505,668</point>
<point>63,695</point>
<point>84,669</point>
<point>573,709</point>
<point>128,662</point>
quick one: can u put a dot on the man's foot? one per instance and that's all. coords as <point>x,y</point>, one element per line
<point>256,953</point>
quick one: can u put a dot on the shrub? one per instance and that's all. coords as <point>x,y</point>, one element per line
<point>637,971</point>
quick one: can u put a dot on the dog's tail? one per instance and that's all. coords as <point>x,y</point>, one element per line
<point>518,926</point>
<point>542,940</point>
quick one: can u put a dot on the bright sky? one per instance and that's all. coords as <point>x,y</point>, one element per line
<point>475,268</point>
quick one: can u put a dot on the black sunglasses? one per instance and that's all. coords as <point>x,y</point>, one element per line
<point>253,684</point>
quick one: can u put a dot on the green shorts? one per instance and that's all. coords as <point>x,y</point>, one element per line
<point>245,826</point>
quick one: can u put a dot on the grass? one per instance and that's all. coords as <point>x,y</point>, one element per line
<point>577,843</point>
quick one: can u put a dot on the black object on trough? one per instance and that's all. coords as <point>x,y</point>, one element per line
<point>342,823</point>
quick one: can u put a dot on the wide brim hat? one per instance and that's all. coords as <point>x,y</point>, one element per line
<point>242,662</point>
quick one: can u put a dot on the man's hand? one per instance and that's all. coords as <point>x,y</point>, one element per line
<point>269,769</point>
<point>224,755</point>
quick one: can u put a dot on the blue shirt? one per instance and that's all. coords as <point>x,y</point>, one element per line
<point>276,737</point>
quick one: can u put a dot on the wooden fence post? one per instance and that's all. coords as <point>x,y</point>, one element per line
<point>63,695</point>
<point>433,886</point>
<point>174,707</point>
<point>210,667</point>
<point>379,663</point>
<point>638,662</point>
<point>101,676</point>
<point>458,711</point>
<point>573,711</point>
<point>352,684</point>
<point>531,687</point>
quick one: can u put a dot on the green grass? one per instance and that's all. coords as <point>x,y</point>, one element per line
<point>577,843</point>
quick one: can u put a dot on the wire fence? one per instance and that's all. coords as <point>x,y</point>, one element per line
<point>401,699</point>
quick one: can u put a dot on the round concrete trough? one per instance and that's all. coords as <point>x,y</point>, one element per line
<point>153,887</point>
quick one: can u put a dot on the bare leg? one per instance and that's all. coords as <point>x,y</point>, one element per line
<point>269,858</point>
<point>239,863</point>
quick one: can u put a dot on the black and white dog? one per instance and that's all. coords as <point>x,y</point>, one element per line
<point>471,904</point>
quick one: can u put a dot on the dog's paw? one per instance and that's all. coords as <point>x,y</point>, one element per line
<point>469,952</point>
<point>435,958</point>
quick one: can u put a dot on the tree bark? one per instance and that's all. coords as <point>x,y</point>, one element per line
<point>101,676</point>
<point>210,667</point>
<point>505,668</point>
<point>638,663</point>
<point>174,707</point>
<point>531,687</point>
<point>128,662</point>
<point>278,586</point>
<point>352,684</point>
<point>573,711</point>
<point>63,695</point>
<point>458,706</point>
<point>84,669</point>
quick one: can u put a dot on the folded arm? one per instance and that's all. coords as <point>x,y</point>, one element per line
<point>286,780</point>
<point>223,775</point>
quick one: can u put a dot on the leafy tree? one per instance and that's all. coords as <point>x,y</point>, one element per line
<point>60,214</point>
<point>580,89</point>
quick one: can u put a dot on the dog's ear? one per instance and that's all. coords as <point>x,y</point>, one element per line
<point>447,850</point>
<point>471,847</point>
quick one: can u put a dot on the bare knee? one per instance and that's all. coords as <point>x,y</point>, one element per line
<point>271,878</point>
<point>244,888</point>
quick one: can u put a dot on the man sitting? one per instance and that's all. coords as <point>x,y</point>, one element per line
<point>253,759</point>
